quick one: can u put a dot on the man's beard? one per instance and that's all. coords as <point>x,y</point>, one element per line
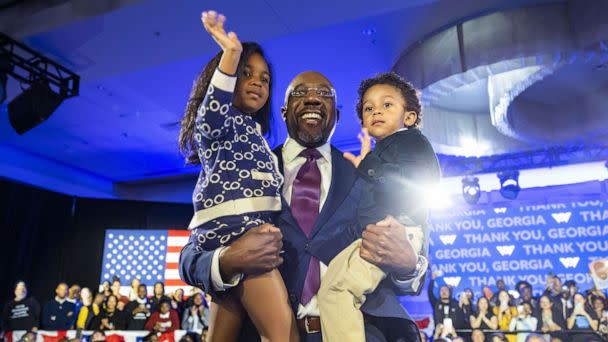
<point>311,140</point>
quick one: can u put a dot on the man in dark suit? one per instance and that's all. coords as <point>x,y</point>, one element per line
<point>311,241</point>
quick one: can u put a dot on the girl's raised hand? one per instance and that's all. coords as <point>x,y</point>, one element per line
<point>214,24</point>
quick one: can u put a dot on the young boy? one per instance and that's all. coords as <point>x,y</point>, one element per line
<point>401,168</point>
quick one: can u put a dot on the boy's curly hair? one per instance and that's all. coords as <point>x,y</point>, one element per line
<point>409,93</point>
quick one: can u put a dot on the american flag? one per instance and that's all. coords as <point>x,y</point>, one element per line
<point>150,255</point>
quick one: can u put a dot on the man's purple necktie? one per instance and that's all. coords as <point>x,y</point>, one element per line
<point>305,199</point>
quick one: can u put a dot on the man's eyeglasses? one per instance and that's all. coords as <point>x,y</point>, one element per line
<point>323,92</point>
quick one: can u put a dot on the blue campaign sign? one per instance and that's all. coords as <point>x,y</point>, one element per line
<point>476,246</point>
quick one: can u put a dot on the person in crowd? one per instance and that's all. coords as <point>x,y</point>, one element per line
<point>164,320</point>
<point>593,293</point>
<point>571,286</point>
<point>110,317</point>
<point>122,300</point>
<point>484,318</point>
<point>487,292</point>
<point>564,303</point>
<point>86,297</point>
<point>58,313</point>
<point>74,297</point>
<point>523,322</point>
<point>599,307</point>
<point>505,311</point>
<point>138,310</point>
<point>134,289</point>
<point>466,306</point>
<point>196,316</point>
<point>446,313</point>
<point>106,289</point>
<point>583,319</point>
<point>553,287</point>
<point>73,294</point>
<point>159,294</point>
<point>91,308</point>
<point>550,321</point>
<point>21,313</point>
<point>470,299</point>
<point>500,286</point>
<point>98,335</point>
<point>525,295</point>
<point>478,335</point>
<point>177,302</point>
<point>520,284</point>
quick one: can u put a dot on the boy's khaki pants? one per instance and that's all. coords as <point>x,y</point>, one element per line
<point>343,289</point>
<point>344,286</point>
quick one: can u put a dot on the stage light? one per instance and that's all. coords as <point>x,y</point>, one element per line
<point>470,189</point>
<point>509,184</point>
<point>33,106</point>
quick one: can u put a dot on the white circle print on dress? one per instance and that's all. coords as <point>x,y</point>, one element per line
<point>214,105</point>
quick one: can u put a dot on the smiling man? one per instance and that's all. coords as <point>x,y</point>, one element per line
<point>319,219</point>
<point>310,111</point>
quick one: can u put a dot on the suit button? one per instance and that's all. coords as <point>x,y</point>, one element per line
<point>371,172</point>
<point>307,246</point>
<point>293,298</point>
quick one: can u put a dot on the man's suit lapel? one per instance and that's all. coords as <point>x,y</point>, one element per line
<point>343,176</point>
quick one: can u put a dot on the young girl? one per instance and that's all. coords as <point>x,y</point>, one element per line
<point>239,185</point>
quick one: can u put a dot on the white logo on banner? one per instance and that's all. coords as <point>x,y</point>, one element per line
<point>447,239</point>
<point>569,262</point>
<point>505,250</point>
<point>500,210</point>
<point>561,217</point>
<point>452,281</point>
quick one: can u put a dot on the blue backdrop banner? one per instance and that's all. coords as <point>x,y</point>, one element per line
<point>474,247</point>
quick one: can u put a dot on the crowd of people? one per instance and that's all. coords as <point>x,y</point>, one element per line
<point>76,308</point>
<point>561,313</point>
